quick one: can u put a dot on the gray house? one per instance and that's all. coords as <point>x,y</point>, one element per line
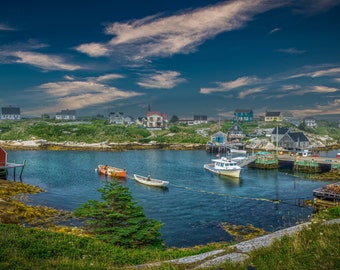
<point>236,132</point>
<point>10,113</point>
<point>278,133</point>
<point>294,141</point>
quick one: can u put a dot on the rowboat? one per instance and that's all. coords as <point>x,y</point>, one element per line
<point>111,171</point>
<point>147,180</point>
<point>223,166</point>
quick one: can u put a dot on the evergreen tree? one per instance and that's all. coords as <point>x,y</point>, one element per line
<point>174,119</point>
<point>118,219</point>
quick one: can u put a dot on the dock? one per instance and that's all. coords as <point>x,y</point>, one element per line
<point>327,196</point>
<point>5,167</point>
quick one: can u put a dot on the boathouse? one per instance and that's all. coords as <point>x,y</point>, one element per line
<point>236,133</point>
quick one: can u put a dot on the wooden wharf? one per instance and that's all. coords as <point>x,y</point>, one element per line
<point>327,196</point>
<point>310,163</point>
<point>4,170</point>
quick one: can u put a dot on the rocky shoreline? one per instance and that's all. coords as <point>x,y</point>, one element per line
<point>105,146</point>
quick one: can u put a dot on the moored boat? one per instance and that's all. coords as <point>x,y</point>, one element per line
<point>223,166</point>
<point>111,171</point>
<point>147,180</point>
<point>337,155</point>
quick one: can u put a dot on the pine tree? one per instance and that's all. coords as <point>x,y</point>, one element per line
<point>118,219</point>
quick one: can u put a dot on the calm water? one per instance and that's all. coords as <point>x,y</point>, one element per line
<point>193,206</point>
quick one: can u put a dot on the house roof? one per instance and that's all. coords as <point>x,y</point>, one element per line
<point>116,113</point>
<point>280,130</point>
<point>200,117</point>
<point>150,113</point>
<point>273,114</point>
<point>236,127</point>
<point>219,134</point>
<point>10,110</point>
<point>67,112</point>
<point>298,137</point>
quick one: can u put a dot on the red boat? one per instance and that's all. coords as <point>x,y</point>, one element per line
<point>111,171</point>
<point>337,155</point>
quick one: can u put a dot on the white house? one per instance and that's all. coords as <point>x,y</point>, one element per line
<point>156,120</point>
<point>66,115</point>
<point>116,118</point>
<point>310,122</point>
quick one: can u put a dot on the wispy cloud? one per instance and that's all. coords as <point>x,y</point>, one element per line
<point>6,27</point>
<point>314,7</point>
<point>162,80</point>
<point>332,107</point>
<point>227,86</point>
<point>279,86</point>
<point>274,30</point>
<point>43,61</point>
<point>291,87</point>
<point>94,49</point>
<point>248,92</point>
<point>291,51</point>
<point>180,33</point>
<point>323,89</point>
<point>76,94</point>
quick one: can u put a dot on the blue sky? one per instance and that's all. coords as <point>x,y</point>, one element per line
<point>182,57</point>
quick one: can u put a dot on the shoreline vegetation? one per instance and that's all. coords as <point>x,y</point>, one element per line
<point>41,245</point>
<point>105,146</point>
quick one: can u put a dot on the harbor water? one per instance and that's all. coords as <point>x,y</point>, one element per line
<point>194,205</point>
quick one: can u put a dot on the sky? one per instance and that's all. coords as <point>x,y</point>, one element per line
<point>183,58</point>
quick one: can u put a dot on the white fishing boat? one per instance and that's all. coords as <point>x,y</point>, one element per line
<point>223,166</point>
<point>147,180</point>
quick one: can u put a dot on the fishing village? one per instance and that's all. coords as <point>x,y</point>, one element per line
<point>229,153</point>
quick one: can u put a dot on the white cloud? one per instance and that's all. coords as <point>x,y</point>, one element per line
<point>109,77</point>
<point>291,87</point>
<point>76,95</point>
<point>239,82</point>
<point>43,61</point>
<point>162,80</point>
<point>93,49</point>
<point>326,72</point>
<point>323,89</point>
<point>274,30</point>
<point>180,33</point>
<point>227,86</point>
<point>248,92</point>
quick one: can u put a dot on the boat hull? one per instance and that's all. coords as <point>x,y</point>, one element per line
<point>151,182</point>
<point>227,172</point>
<point>111,171</point>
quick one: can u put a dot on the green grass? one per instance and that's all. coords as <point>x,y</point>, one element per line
<point>317,247</point>
<point>29,248</point>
